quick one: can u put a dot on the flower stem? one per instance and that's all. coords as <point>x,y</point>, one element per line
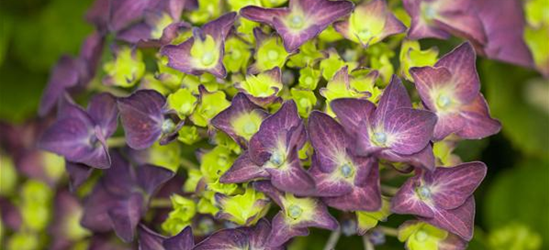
<point>388,190</point>
<point>161,203</point>
<point>116,142</point>
<point>388,231</point>
<point>188,164</point>
<point>367,243</point>
<point>332,241</point>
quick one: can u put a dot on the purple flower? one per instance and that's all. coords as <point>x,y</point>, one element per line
<point>120,198</point>
<point>302,21</point>
<point>273,154</point>
<point>296,216</point>
<point>239,238</point>
<point>451,89</point>
<point>241,120</point>
<point>150,240</point>
<point>204,51</point>
<point>504,36</point>
<point>370,23</point>
<point>440,18</point>
<point>145,118</point>
<point>443,197</point>
<point>72,74</point>
<point>347,181</point>
<point>78,174</point>
<point>393,131</point>
<point>80,135</point>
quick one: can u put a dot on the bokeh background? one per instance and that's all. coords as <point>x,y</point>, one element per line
<point>512,202</point>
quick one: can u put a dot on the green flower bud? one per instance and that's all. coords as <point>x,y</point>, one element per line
<point>125,69</point>
<point>8,175</point>
<point>183,101</point>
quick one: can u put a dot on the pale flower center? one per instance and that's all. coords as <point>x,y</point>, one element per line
<point>424,192</point>
<point>380,138</point>
<point>346,170</point>
<point>443,101</point>
<point>167,126</point>
<point>294,211</point>
<point>272,54</point>
<point>296,22</point>
<point>250,128</point>
<point>207,58</point>
<point>277,159</point>
<point>421,236</point>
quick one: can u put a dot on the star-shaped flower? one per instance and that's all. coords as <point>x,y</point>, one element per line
<point>451,89</point>
<point>301,21</point>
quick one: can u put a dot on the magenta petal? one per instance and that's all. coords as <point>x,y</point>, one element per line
<point>96,207</point>
<point>406,201</point>
<point>424,158</point>
<point>263,15</point>
<point>282,232</point>
<point>150,178</point>
<point>293,178</point>
<point>459,221</point>
<point>125,216</point>
<point>351,112</point>
<point>461,62</point>
<point>64,75</point>
<point>427,79</point>
<point>419,28</point>
<point>477,120</point>
<point>239,105</point>
<point>268,188</point>
<point>184,240</point>
<point>244,170</point>
<point>365,196</point>
<point>463,24</point>
<point>328,139</point>
<point>412,129</point>
<point>104,111</point>
<point>394,96</point>
<point>327,185</point>
<point>259,235</point>
<point>142,116</point>
<point>456,184</point>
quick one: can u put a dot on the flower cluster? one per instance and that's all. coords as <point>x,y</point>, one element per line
<point>241,124</point>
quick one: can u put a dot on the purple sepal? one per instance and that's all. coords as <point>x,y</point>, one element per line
<point>150,240</point>
<point>292,178</point>
<point>78,174</point>
<point>244,170</point>
<point>459,221</point>
<point>239,238</point>
<point>64,75</point>
<point>142,116</point>
<point>184,240</point>
<point>351,112</point>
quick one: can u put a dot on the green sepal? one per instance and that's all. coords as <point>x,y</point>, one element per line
<point>270,53</point>
<point>168,76</point>
<point>193,178</point>
<point>189,135</point>
<point>125,69</point>
<point>367,220</point>
<point>150,81</point>
<point>205,206</point>
<point>308,78</point>
<point>243,209</point>
<point>421,236</point>
<point>308,53</point>
<point>210,104</point>
<point>183,101</point>
<point>411,55</point>
<point>364,80</point>
<point>380,59</point>
<point>333,63</point>
<point>237,56</point>
<point>184,210</point>
<point>205,53</point>
<point>245,29</point>
<point>305,100</point>
<point>262,85</point>
<point>158,28</point>
<point>330,35</point>
<point>222,139</point>
<point>166,156</point>
<point>207,10</point>
<point>215,163</point>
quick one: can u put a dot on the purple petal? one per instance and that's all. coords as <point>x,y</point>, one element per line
<point>424,158</point>
<point>453,186</point>
<point>142,116</point>
<point>220,27</point>
<point>124,12</point>
<point>268,188</point>
<point>104,112</point>
<point>412,129</point>
<point>240,105</point>
<point>365,196</point>
<point>259,234</point>
<point>149,240</point>
<point>244,170</point>
<point>78,174</point>
<point>463,24</point>
<point>120,179</point>
<point>263,15</point>
<point>283,126</point>
<point>406,201</point>
<point>504,35</point>
<point>477,122</point>
<point>420,28</point>
<point>64,75</point>
<point>225,239</point>
<point>282,232</point>
<point>151,178</point>
<point>459,221</point>
<point>125,216</point>
<point>328,185</point>
<point>90,55</point>
<point>461,62</point>
<point>328,139</point>
<point>73,135</point>
<point>182,241</point>
<point>351,112</point>
<point>428,79</point>
<point>292,178</point>
<point>394,96</point>
<point>96,207</point>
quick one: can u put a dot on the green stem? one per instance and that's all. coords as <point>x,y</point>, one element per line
<point>116,142</point>
<point>391,191</point>
<point>389,231</point>
<point>99,87</point>
<point>332,241</point>
<point>188,164</point>
<point>367,243</point>
<point>161,203</point>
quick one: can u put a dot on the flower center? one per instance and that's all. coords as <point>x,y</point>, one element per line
<point>304,102</point>
<point>296,22</point>
<point>429,12</point>
<point>424,192</point>
<point>207,58</point>
<point>346,170</point>
<point>294,211</point>
<point>309,81</point>
<point>364,33</point>
<point>272,54</point>
<point>421,236</point>
<point>235,55</point>
<point>250,128</point>
<point>167,126</point>
<point>277,159</point>
<point>443,101</point>
<point>380,138</point>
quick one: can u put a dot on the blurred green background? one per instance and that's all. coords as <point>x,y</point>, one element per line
<point>512,203</point>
